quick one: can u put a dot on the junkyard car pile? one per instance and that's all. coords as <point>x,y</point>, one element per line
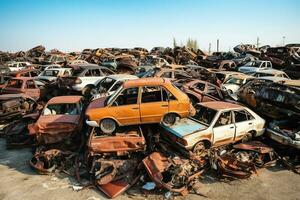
<point>158,120</point>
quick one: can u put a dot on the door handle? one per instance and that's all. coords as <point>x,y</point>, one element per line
<point>231,127</point>
<point>134,108</point>
<point>250,123</point>
<point>164,105</point>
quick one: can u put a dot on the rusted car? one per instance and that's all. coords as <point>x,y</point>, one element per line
<point>274,100</point>
<point>60,120</point>
<point>171,173</point>
<point>202,91</point>
<point>25,73</point>
<point>286,132</point>
<point>146,100</point>
<point>215,123</point>
<point>172,74</point>
<point>120,143</point>
<point>16,105</point>
<point>24,85</point>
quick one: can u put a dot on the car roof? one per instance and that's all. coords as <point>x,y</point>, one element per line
<point>122,76</point>
<point>23,78</point>
<point>64,99</point>
<point>270,71</point>
<point>145,81</point>
<point>242,76</point>
<point>272,78</point>
<point>220,105</point>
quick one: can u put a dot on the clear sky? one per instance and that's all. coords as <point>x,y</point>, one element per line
<point>71,25</point>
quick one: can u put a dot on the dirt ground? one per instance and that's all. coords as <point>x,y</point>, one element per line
<point>19,181</point>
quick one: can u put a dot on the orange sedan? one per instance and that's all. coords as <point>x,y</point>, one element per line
<point>146,100</point>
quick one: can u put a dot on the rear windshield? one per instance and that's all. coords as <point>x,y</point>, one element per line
<point>61,109</point>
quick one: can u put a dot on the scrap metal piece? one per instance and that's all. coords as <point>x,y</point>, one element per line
<point>174,173</point>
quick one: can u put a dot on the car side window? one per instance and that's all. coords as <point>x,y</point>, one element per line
<point>249,116</point>
<point>225,118</point>
<point>240,116</point>
<point>106,72</point>
<point>30,85</point>
<point>200,86</point>
<point>89,73</point>
<point>127,97</point>
<point>151,94</point>
<point>167,95</point>
<point>96,72</point>
<point>116,86</point>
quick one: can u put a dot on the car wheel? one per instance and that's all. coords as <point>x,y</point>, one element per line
<point>247,138</point>
<point>200,149</point>
<point>108,126</point>
<point>169,119</point>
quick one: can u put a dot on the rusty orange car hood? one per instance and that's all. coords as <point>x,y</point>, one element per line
<point>57,123</point>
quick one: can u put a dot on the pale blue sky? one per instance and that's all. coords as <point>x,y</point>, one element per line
<point>77,24</point>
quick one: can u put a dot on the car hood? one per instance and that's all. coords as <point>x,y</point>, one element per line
<point>233,87</point>
<point>185,127</point>
<point>57,123</point>
<point>97,103</point>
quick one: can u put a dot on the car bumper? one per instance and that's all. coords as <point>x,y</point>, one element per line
<point>92,123</point>
<point>282,139</point>
<point>260,132</point>
<point>76,88</point>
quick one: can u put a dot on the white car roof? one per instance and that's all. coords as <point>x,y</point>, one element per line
<point>272,78</point>
<point>122,76</point>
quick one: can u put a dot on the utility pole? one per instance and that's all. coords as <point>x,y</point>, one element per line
<point>283,38</point>
<point>257,42</point>
<point>209,48</point>
<point>217,45</point>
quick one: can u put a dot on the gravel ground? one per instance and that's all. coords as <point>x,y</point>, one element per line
<point>19,181</point>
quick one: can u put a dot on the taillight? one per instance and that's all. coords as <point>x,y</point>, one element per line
<point>78,81</point>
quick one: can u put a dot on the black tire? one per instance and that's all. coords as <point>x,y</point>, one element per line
<point>169,119</point>
<point>108,126</point>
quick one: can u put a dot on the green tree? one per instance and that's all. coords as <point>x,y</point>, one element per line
<point>192,44</point>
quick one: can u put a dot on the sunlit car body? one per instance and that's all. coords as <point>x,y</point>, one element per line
<point>214,124</point>
<point>146,100</point>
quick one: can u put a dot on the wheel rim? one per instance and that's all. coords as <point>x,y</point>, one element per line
<point>108,126</point>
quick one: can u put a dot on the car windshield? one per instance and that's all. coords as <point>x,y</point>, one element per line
<point>61,109</point>
<point>50,73</point>
<point>254,64</point>
<point>204,115</point>
<point>105,84</point>
<point>236,81</point>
